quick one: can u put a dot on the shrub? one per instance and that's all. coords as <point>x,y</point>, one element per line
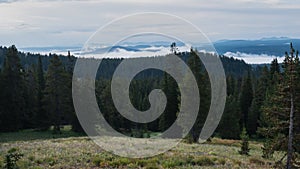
<point>188,139</point>
<point>141,162</point>
<point>267,150</point>
<point>13,155</point>
<point>169,164</point>
<point>31,158</point>
<point>132,165</point>
<point>245,144</point>
<point>96,161</point>
<point>51,161</point>
<point>120,162</point>
<point>38,161</point>
<point>203,161</point>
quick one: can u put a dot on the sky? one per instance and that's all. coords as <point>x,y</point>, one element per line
<point>34,23</point>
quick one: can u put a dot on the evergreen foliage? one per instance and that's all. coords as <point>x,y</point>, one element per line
<point>281,112</point>
<point>12,92</point>
<point>56,93</point>
<point>245,143</point>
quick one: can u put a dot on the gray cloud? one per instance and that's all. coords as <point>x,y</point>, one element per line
<point>7,1</point>
<point>72,21</point>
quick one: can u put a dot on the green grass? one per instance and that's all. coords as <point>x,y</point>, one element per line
<point>69,150</point>
<point>27,135</point>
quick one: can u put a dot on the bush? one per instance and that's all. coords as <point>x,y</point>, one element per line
<point>31,158</point>
<point>203,161</point>
<point>188,139</point>
<point>96,161</point>
<point>267,150</point>
<point>245,144</point>
<point>51,161</point>
<point>13,155</point>
<point>120,162</point>
<point>170,163</point>
<point>142,162</point>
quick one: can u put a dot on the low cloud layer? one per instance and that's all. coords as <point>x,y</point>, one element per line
<point>254,58</point>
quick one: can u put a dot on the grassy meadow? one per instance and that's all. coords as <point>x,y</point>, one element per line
<point>70,150</point>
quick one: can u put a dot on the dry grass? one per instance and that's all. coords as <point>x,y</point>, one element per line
<point>81,152</point>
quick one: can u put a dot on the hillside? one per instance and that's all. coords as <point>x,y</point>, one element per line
<point>81,152</point>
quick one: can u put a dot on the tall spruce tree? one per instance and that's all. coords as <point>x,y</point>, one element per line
<point>257,102</point>
<point>245,143</point>
<point>291,65</point>
<point>274,68</point>
<point>56,92</point>
<point>110,113</point>
<point>229,127</point>
<point>70,111</point>
<point>12,92</point>
<point>201,77</point>
<point>42,117</point>
<point>246,97</point>
<point>170,114</point>
<point>30,98</point>
<point>281,113</point>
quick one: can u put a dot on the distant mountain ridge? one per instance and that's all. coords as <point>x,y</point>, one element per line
<point>252,51</point>
<point>234,67</point>
<point>267,46</point>
<point>275,46</point>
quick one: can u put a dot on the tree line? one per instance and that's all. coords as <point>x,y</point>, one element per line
<point>36,94</point>
<point>33,98</point>
<point>36,91</point>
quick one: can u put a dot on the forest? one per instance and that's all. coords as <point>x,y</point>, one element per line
<point>261,105</point>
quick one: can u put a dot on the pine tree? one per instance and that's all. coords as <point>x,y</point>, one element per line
<point>106,104</point>
<point>163,119</point>
<point>229,127</point>
<point>274,68</point>
<point>70,111</point>
<point>246,99</point>
<point>292,65</point>
<point>231,85</point>
<point>257,102</point>
<point>271,119</point>
<point>202,79</point>
<point>174,48</point>
<point>245,143</point>
<point>12,92</point>
<point>55,92</point>
<point>170,114</point>
<point>30,98</point>
<point>42,117</point>
<point>282,111</point>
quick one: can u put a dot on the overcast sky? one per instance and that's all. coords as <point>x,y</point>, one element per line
<point>33,23</point>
